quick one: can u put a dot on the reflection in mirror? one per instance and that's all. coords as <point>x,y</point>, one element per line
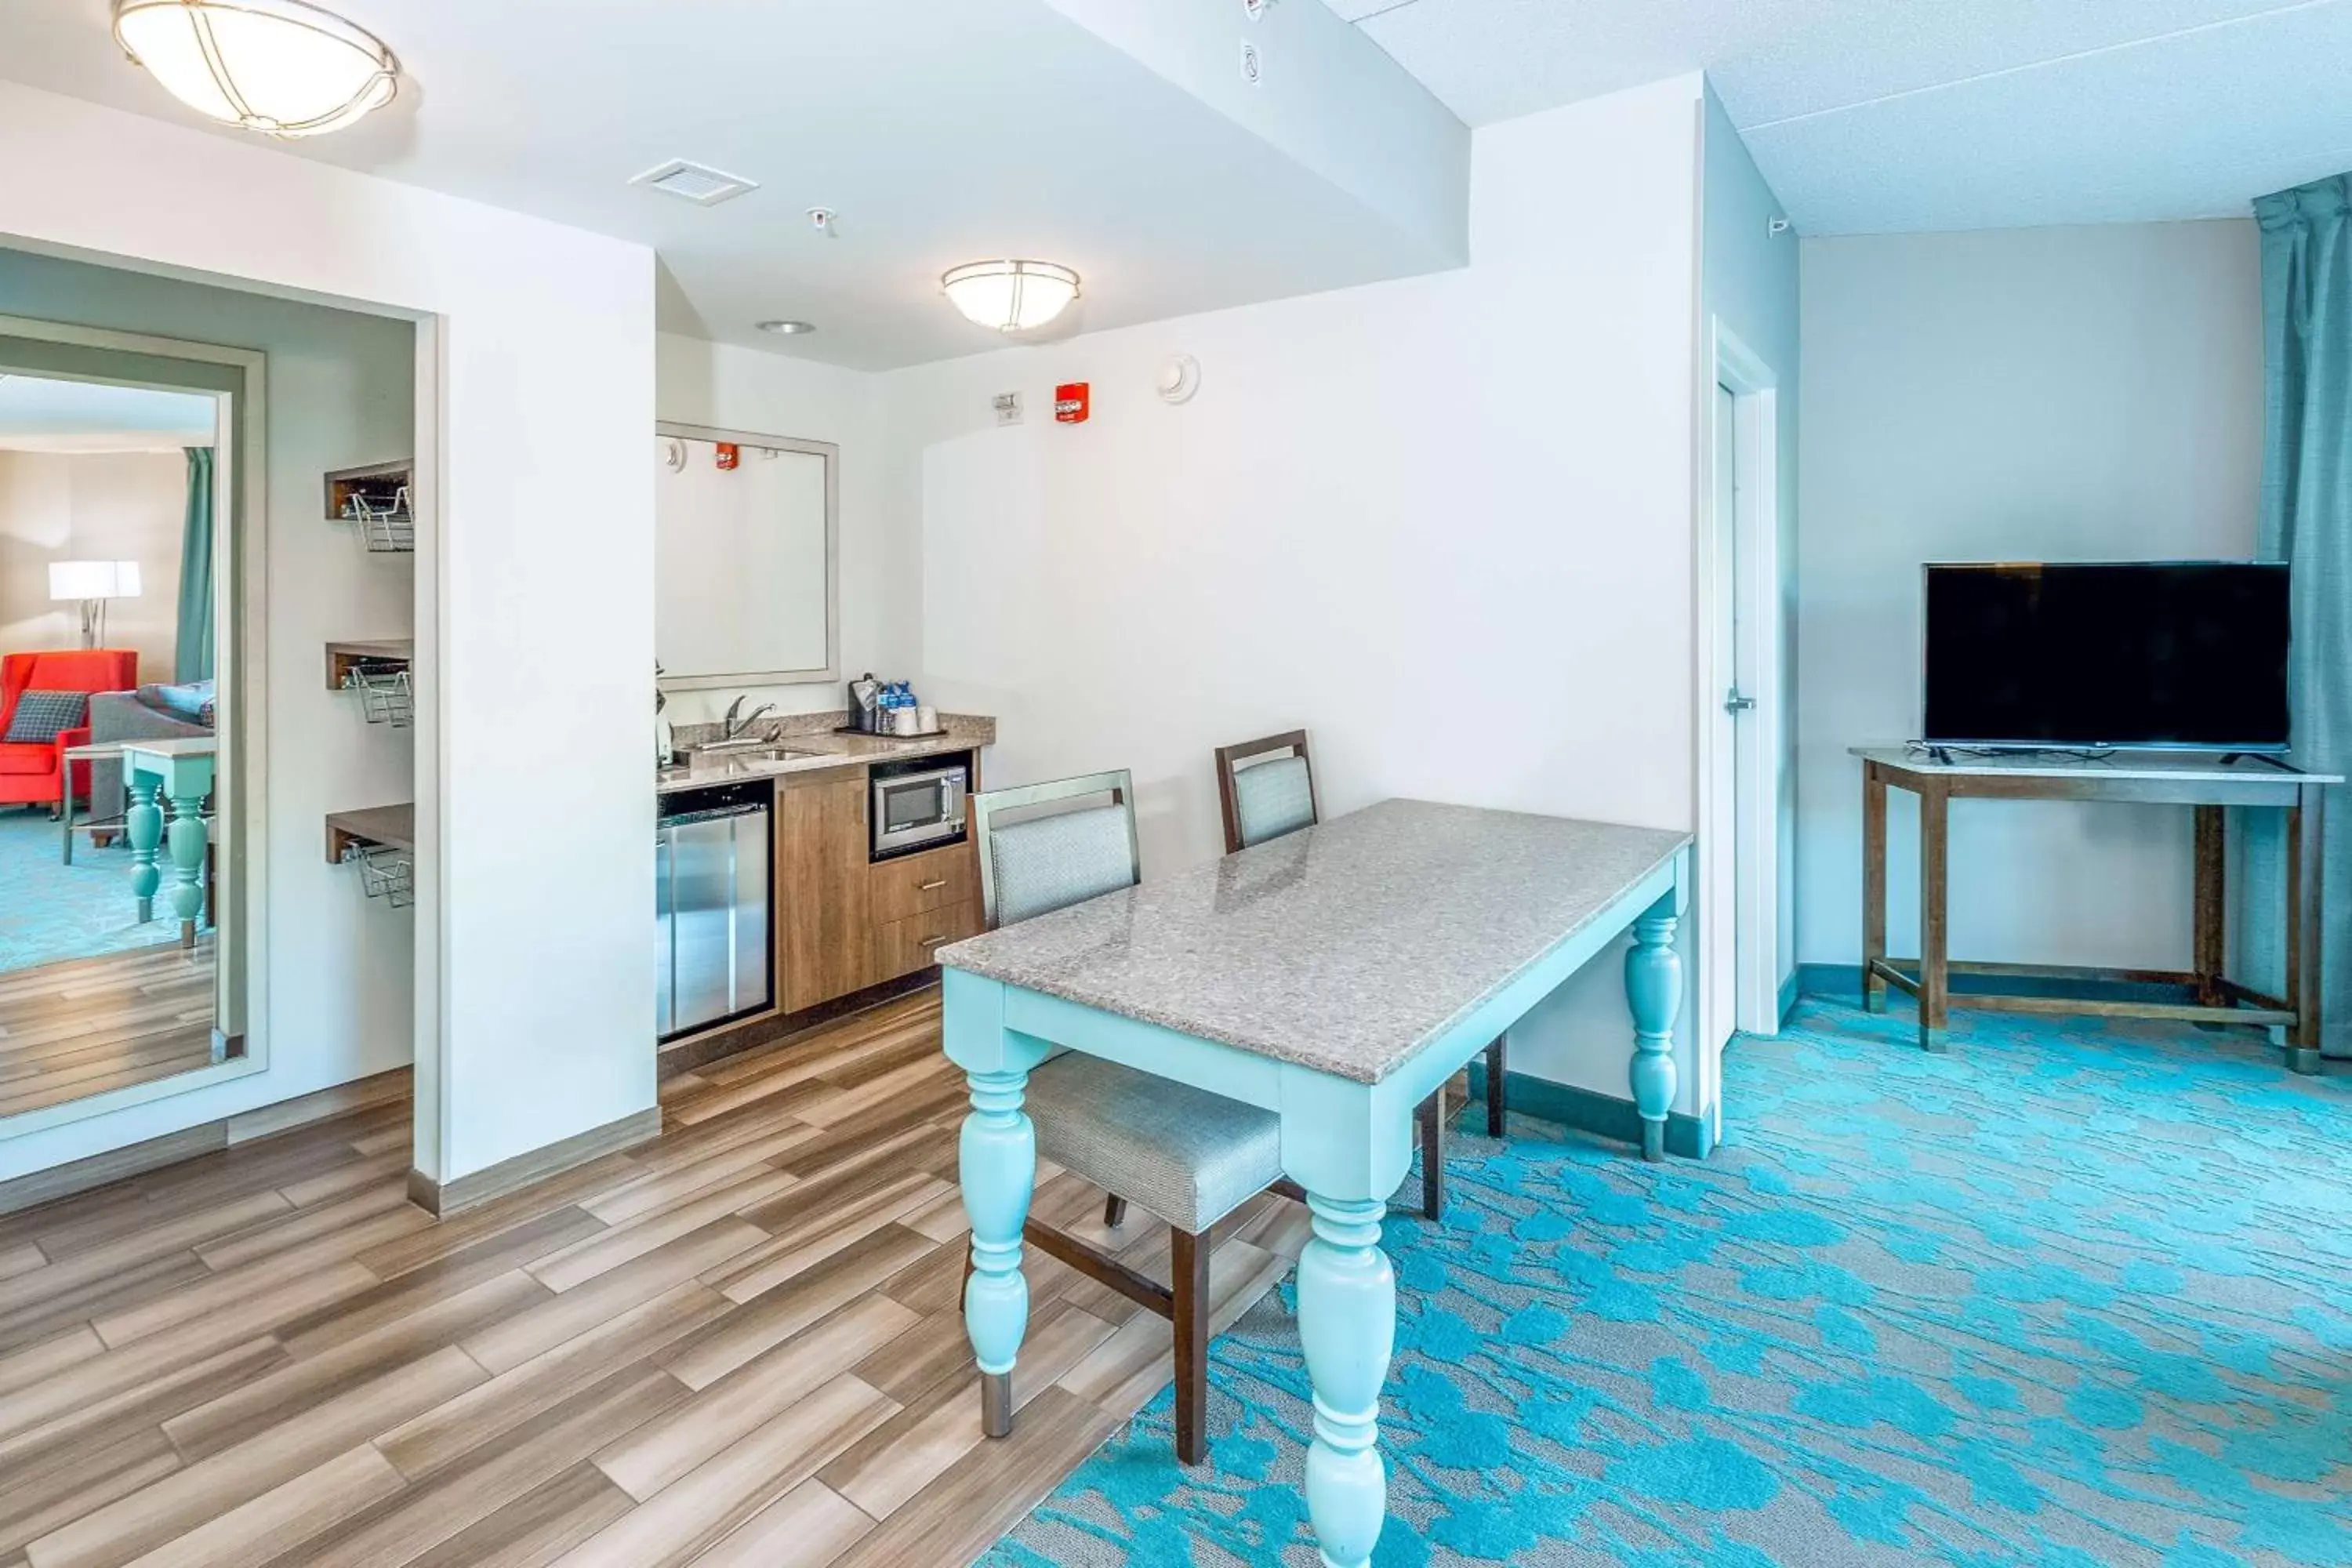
<point>744,570</point>
<point>110,636</point>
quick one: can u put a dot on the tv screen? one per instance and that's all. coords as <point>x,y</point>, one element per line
<point>2190,655</point>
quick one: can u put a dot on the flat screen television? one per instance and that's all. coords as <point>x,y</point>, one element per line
<point>2185,654</point>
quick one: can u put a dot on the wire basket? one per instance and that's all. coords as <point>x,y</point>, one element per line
<point>386,522</point>
<point>388,874</point>
<point>388,696</point>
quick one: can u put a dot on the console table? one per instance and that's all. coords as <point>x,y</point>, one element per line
<point>180,774</point>
<point>2202,783</point>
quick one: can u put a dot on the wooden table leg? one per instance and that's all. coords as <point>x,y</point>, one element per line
<point>1653,993</point>
<point>1935,822</point>
<point>2306,824</point>
<point>997,1169</point>
<point>1873,885</point>
<point>144,823</point>
<point>1346,1325</point>
<point>2212,871</point>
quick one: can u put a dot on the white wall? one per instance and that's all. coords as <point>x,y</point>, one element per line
<point>1444,523</point>
<point>774,394</point>
<point>36,528</point>
<point>2085,394</point>
<point>110,506</point>
<point>535,617</point>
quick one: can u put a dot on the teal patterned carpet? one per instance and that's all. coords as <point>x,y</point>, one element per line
<point>50,910</point>
<point>2075,1294</point>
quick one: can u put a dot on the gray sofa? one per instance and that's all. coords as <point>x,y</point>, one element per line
<point>140,715</point>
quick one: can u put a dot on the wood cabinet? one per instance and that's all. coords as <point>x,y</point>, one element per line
<point>844,921</point>
<point>902,947</point>
<point>920,904</point>
<point>920,883</point>
<point>826,925</point>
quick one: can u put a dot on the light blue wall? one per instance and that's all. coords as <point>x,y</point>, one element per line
<point>1748,282</point>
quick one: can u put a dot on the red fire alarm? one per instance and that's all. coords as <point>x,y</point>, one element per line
<point>1073,401</point>
<point>729,455</point>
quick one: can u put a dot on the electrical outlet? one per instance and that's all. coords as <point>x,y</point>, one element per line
<point>1008,408</point>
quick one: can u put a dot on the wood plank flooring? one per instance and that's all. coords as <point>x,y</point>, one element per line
<point>738,1345</point>
<point>89,1024</point>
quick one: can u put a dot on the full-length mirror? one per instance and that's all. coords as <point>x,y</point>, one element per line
<point>746,530</point>
<point>116,608</point>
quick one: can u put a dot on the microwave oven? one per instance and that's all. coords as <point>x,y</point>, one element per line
<point>919,804</point>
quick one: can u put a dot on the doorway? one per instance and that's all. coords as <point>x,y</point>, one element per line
<point>1744,775</point>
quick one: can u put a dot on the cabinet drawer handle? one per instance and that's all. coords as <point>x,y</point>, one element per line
<point>931,941</point>
<point>930,887</point>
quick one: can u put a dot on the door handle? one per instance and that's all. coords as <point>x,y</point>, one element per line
<point>931,942</point>
<point>930,887</point>
<point>1733,702</point>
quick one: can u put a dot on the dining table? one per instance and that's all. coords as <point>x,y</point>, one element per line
<point>1336,977</point>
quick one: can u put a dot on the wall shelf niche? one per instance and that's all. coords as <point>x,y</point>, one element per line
<point>380,672</point>
<point>376,499</point>
<point>381,841</point>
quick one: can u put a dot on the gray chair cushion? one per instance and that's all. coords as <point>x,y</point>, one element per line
<point>1271,799</point>
<point>1051,862</point>
<point>1180,1152</point>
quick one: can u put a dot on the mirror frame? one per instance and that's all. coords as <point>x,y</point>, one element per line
<point>724,680</point>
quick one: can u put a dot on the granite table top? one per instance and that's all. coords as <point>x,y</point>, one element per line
<point>1345,947</point>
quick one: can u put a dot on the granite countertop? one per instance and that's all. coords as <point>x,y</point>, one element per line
<point>811,738</point>
<point>1345,947</point>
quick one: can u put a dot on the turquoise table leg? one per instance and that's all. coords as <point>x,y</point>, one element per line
<point>997,1167</point>
<point>143,822</point>
<point>187,841</point>
<point>1654,990</point>
<point>1347,1321</point>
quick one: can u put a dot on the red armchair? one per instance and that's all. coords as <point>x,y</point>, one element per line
<point>35,775</point>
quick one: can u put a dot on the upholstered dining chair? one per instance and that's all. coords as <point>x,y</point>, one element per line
<point>1266,788</point>
<point>1183,1155</point>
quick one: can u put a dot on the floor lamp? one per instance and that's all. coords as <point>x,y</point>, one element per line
<point>93,583</point>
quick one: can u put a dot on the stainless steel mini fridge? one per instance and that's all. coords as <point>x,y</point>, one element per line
<point>712,909</point>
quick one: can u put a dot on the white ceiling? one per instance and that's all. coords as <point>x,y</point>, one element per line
<point>42,415</point>
<point>942,131</point>
<point>1888,115</point>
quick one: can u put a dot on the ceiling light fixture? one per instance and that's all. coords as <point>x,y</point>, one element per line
<point>278,67</point>
<point>1010,296</point>
<point>787,329</point>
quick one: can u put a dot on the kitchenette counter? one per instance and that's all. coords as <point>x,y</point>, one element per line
<point>808,744</point>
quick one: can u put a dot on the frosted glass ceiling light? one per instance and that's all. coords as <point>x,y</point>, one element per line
<point>1010,296</point>
<point>278,67</point>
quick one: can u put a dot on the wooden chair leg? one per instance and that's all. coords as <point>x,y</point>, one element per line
<point>1113,1211</point>
<point>1189,1273</point>
<point>1433,1155</point>
<point>1495,1054</point>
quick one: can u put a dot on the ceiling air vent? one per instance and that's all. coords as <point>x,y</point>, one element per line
<point>696,183</point>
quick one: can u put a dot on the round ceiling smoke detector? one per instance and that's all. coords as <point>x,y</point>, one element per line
<point>1179,378</point>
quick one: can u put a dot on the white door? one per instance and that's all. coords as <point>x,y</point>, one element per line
<point>1723,949</point>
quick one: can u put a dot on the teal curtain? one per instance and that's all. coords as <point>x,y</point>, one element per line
<point>192,657</point>
<point>2306,521</point>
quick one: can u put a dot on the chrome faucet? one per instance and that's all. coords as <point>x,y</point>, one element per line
<point>730,726</point>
